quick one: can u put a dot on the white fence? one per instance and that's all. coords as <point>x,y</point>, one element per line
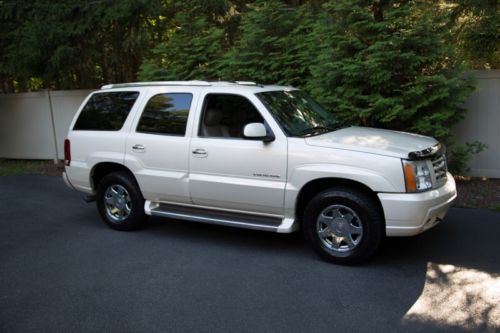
<point>482,123</point>
<point>34,125</point>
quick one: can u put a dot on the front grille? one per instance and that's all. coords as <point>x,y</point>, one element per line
<point>439,167</point>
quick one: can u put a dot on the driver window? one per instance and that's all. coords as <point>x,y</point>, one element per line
<point>226,115</point>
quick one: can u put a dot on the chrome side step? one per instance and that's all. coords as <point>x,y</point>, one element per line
<point>203,215</point>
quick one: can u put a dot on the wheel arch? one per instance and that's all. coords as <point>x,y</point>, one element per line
<point>100,170</point>
<point>313,187</point>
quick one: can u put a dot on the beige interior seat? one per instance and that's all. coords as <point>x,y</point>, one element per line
<point>212,125</point>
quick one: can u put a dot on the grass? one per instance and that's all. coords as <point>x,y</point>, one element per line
<point>23,167</point>
<point>473,192</point>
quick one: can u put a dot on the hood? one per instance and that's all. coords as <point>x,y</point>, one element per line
<point>374,141</point>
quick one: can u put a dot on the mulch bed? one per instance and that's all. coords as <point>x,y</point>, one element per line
<point>474,192</point>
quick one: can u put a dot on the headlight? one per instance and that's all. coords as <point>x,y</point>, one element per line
<point>417,175</point>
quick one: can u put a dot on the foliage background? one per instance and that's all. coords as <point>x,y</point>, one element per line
<point>383,63</point>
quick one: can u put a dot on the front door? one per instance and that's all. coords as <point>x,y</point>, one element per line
<point>228,171</point>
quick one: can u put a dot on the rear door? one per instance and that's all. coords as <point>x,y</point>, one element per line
<point>157,149</point>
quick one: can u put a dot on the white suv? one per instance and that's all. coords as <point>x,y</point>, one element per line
<point>253,156</point>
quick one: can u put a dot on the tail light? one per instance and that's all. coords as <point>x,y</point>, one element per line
<point>67,152</point>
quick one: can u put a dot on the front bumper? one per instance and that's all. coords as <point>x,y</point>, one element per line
<point>408,214</point>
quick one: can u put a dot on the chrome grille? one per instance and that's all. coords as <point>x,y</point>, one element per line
<point>439,167</point>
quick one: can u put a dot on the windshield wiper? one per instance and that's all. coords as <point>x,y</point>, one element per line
<point>316,130</point>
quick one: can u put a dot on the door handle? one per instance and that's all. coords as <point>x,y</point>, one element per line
<point>199,153</point>
<point>139,148</point>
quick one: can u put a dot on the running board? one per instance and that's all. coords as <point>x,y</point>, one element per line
<point>239,220</point>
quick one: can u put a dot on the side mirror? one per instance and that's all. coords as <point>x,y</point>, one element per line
<point>257,131</point>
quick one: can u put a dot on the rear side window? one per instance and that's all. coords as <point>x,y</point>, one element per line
<point>106,111</point>
<point>166,114</point>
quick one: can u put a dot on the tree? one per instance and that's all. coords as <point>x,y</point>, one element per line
<point>476,27</point>
<point>386,64</point>
<point>192,48</point>
<point>268,49</point>
<point>71,44</point>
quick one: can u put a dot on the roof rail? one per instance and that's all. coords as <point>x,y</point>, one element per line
<point>246,83</point>
<point>157,83</point>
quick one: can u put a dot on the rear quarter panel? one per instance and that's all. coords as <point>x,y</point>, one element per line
<point>91,147</point>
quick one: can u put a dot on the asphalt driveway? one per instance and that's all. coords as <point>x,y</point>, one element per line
<point>63,270</point>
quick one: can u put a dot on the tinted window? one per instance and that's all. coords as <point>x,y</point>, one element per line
<point>226,115</point>
<point>166,114</point>
<point>106,111</point>
<point>297,113</point>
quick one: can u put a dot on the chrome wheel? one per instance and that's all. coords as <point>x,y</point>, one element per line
<point>339,228</point>
<point>117,202</point>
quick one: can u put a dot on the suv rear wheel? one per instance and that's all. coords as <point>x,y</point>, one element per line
<point>120,202</point>
<point>343,225</point>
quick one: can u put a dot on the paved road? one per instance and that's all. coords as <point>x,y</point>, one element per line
<point>63,270</point>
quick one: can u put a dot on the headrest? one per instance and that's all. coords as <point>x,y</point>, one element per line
<point>213,117</point>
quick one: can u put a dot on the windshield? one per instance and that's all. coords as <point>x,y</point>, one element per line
<point>297,113</point>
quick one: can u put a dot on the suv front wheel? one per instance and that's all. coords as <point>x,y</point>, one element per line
<point>120,202</point>
<point>343,225</point>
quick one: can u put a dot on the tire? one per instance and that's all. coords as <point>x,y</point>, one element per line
<point>120,202</point>
<point>343,225</point>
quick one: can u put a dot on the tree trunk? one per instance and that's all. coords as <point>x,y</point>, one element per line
<point>378,13</point>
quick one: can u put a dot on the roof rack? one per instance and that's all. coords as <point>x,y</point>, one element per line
<point>246,83</point>
<point>157,83</point>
